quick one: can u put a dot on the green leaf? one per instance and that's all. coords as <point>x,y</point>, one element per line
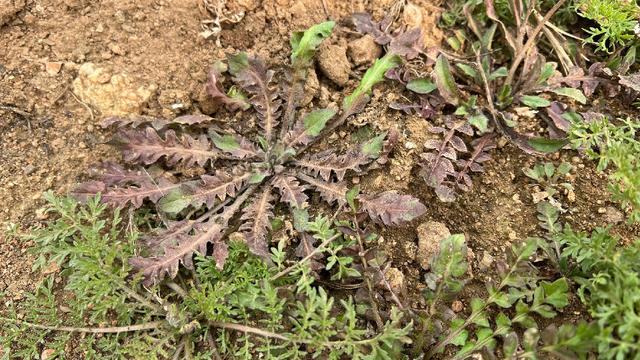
<point>225,142</point>
<point>373,147</point>
<point>316,120</point>
<point>421,86</point>
<point>477,304</point>
<point>546,72</point>
<point>481,320</point>
<point>373,76</point>
<point>300,219</point>
<point>549,169</point>
<point>556,293</point>
<point>534,101</point>
<point>480,122</point>
<point>503,322</point>
<point>240,97</point>
<point>498,73</point>
<point>547,145</point>
<point>352,194</point>
<point>461,338</point>
<point>445,81</point>
<point>257,178</point>
<point>468,70</point>
<point>305,43</point>
<point>174,202</point>
<point>238,62</point>
<point>575,94</point>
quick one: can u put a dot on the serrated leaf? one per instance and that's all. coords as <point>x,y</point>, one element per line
<point>291,192</point>
<point>253,76</point>
<point>257,223</point>
<point>575,94</point>
<point>546,145</point>
<point>147,147</point>
<point>421,86</point>
<point>305,43</point>
<point>445,81</point>
<point>534,101</point>
<point>391,208</point>
<point>329,191</point>
<point>375,74</point>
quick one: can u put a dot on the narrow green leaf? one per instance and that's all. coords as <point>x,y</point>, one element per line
<point>305,43</point>
<point>421,86</point>
<point>534,101</point>
<point>498,73</point>
<point>373,76</point>
<point>575,94</point>
<point>546,72</point>
<point>468,70</point>
<point>547,145</point>
<point>316,120</point>
<point>351,196</point>
<point>445,81</point>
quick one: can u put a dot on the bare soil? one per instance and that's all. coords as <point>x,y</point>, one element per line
<point>50,133</point>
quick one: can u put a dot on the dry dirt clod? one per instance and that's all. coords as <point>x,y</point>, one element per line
<point>110,94</point>
<point>333,62</point>
<point>46,354</point>
<point>486,261</point>
<point>613,215</point>
<point>53,67</point>
<point>364,51</point>
<point>9,8</point>
<point>425,17</point>
<point>457,306</point>
<point>395,278</point>
<point>430,234</point>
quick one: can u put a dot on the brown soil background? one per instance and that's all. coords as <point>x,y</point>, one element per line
<point>158,44</point>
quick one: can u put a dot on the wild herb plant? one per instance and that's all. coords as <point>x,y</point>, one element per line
<point>616,22</point>
<point>609,279</point>
<point>237,175</point>
<point>245,308</point>
<point>516,298</point>
<point>614,145</point>
<point>549,177</point>
<point>484,87</point>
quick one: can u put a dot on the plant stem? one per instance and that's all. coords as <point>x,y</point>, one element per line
<point>365,266</point>
<point>531,41</point>
<point>309,256</point>
<point>107,330</point>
